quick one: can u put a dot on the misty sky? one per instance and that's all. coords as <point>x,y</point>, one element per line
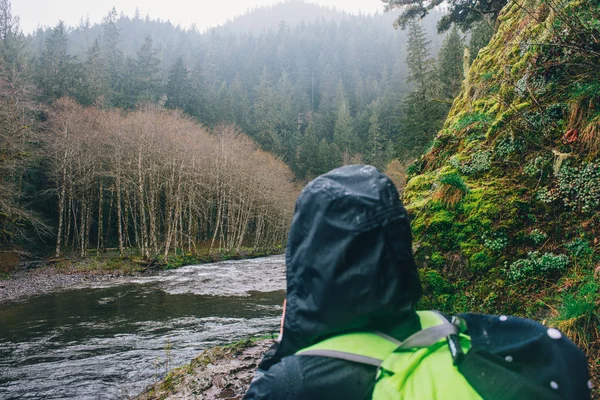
<point>205,13</point>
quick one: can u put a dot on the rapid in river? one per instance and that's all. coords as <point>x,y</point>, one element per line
<point>111,341</point>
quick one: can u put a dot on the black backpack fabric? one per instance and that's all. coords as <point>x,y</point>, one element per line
<point>515,358</point>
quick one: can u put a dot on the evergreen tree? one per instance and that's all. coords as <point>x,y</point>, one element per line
<point>12,44</point>
<point>422,116</point>
<point>147,70</point>
<point>178,85</point>
<point>462,13</point>
<point>380,148</point>
<point>128,89</point>
<point>307,165</point>
<point>97,80</point>
<point>57,72</point>
<point>419,62</point>
<point>450,66</point>
<point>343,133</point>
<point>328,158</point>
<point>265,115</point>
<point>113,57</point>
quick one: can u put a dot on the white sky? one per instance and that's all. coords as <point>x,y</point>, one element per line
<point>205,13</point>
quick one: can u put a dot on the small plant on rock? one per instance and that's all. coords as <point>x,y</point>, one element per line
<point>538,264</point>
<point>537,237</point>
<point>451,189</point>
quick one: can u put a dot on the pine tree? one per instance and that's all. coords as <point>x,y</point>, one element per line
<point>265,116</point>
<point>419,62</point>
<point>379,146</point>
<point>343,133</point>
<point>12,44</point>
<point>113,57</point>
<point>57,71</point>
<point>147,70</point>
<point>450,66</point>
<point>178,85</point>
<point>422,116</point>
<point>307,165</point>
<point>97,80</point>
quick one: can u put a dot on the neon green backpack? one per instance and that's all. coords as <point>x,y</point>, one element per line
<point>420,368</point>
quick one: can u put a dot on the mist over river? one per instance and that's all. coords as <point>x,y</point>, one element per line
<point>111,340</point>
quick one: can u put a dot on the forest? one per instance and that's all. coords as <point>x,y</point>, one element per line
<point>80,176</point>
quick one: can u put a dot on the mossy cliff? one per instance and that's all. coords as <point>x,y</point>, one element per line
<point>506,203</point>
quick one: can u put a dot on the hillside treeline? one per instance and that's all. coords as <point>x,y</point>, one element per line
<point>318,94</point>
<point>155,181</point>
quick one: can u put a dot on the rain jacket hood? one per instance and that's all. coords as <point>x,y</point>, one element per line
<point>349,258</point>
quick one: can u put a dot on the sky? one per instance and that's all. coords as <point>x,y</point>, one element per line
<point>205,13</point>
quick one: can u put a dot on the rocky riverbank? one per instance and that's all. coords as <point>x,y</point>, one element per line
<point>43,276</point>
<point>47,279</point>
<point>218,373</point>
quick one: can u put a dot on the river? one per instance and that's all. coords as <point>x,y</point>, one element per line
<point>111,341</point>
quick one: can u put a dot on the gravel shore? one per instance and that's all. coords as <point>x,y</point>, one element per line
<point>47,279</point>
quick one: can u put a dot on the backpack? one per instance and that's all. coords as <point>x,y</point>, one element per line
<point>442,362</point>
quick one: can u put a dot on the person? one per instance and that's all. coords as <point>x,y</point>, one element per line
<point>350,272</point>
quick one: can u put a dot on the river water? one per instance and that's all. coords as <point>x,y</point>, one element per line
<point>111,341</point>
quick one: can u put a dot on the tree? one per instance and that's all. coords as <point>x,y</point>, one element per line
<point>16,154</point>
<point>97,79</point>
<point>422,115</point>
<point>450,66</point>
<point>57,72</point>
<point>147,79</point>
<point>113,57</point>
<point>178,85</point>
<point>380,148</point>
<point>343,133</point>
<point>463,13</point>
<point>12,44</point>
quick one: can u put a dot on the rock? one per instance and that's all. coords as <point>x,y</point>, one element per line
<point>219,373</point>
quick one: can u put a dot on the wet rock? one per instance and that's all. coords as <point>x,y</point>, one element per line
<point>218,373</point>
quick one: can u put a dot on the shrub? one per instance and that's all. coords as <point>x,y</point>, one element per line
<point>538,264</point>
<point>480,161</point>
<point>580,187</point>
<point>507,146</point>
<point>535,167</point>
<point>577,187</point>
<point>497,243</point>
<point>579,249</point>
<point>451,189</point>
<point>537,237</point>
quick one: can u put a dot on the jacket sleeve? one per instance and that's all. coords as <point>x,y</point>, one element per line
<point>275,384</point>
<point>314,378</point>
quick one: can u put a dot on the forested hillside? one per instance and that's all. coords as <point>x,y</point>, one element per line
<point>320,91</point>
<point>506,203</point>
<point>287,86</point>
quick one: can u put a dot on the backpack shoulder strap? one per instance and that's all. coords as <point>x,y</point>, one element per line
<point>361,347</point>
<point>373,348</point>
<point>434,327</point>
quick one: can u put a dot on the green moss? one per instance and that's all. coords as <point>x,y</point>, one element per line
<point>524,92</point>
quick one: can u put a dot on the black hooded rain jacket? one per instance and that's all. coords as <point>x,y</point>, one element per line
<point>349,268</point>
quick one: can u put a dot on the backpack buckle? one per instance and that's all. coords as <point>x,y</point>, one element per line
<point>455,349</point>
